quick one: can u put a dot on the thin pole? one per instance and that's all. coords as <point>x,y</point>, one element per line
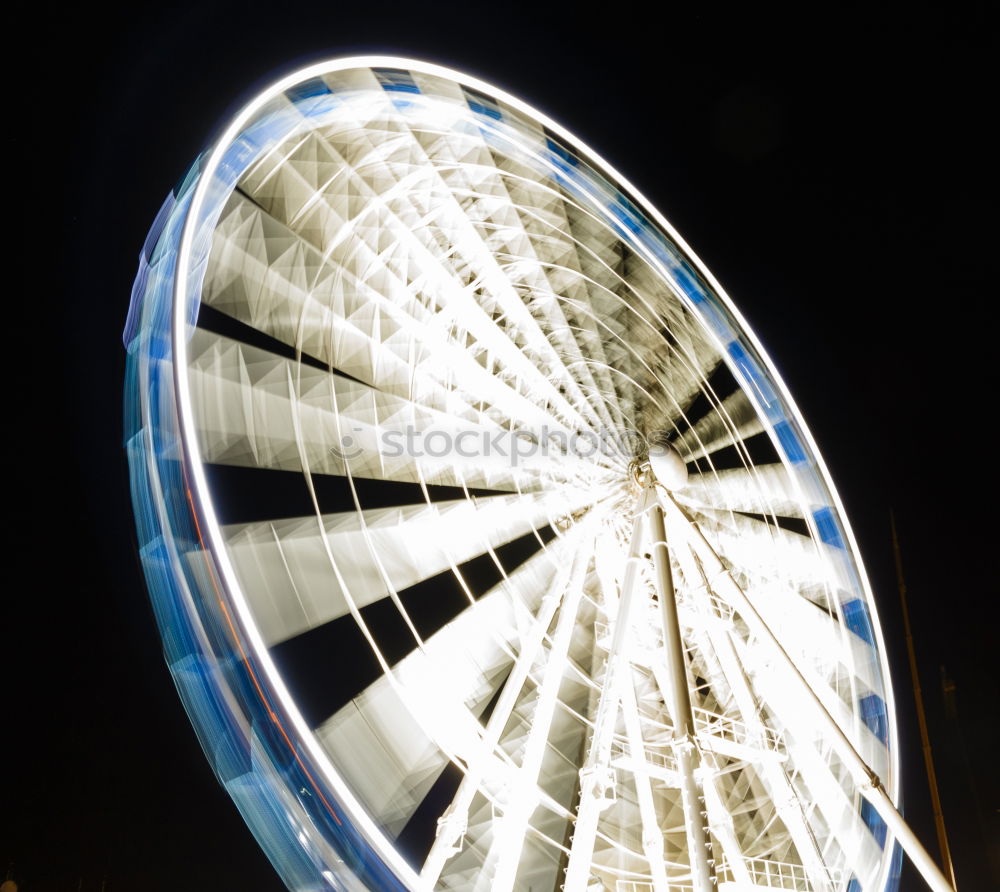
<point>942,836</point>
<point>692,798</point>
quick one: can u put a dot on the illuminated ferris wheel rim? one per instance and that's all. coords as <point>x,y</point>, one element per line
<point>202,503</point>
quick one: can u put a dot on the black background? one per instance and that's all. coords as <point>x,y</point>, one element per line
<point>830,167</point>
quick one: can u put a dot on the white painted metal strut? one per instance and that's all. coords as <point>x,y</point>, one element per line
<point>597,775</point>
<point>453,825</point>
<point>685,748</point>
<point>509,834</point>
<point>719,647</point>
<point>652,835</point>
<point>868,781</point>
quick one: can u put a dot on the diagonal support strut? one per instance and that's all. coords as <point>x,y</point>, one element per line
<point>869,783</point>
<point>685,748</point>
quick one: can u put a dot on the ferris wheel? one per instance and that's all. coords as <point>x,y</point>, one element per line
<point>488,549</point>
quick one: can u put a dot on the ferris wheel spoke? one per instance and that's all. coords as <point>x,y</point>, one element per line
<point>455,821</point>
<point>469,250</point>
<point>807,627</point>
<point>791,710</point>
<point>632,332</point>
<point>503,860</point>
<point>736,420</point>
<point>249,493</point>
<point>247,417</point>
<point>520,182</point>
<point>541,210</point>
<point>808,562</point>
<point>597,304</point>
<point>667,352</point>
<point>399,741</point>
<point>533,265</point>
<point>803,619</point>
<point>764,489</point>
<point>284,565</point>
<point>402,349</point>
<point>570,298</point>
<point>513,210</point>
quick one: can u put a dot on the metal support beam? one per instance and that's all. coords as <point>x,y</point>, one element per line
<point>652,835</point>
<point>597,775</point>
<point>453,824</point>
<point>692,797</point>
<point>509,832</point>
<point>783,795</point>
<point>867,780</point>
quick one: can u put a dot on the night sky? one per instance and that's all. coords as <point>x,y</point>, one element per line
<point>831,170</point>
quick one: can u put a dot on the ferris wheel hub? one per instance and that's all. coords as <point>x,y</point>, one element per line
<point>668,467</point>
